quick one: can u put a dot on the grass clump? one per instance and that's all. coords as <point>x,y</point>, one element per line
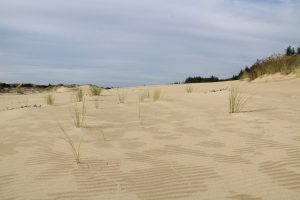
<point>78,115</point>
<point>122,97</point>
<point>95,90</point>
<point>237,101</point>
<point>79,95</point>
<point>189,88</point>
<point>156,94</point>
<point>50,99</point>
<point>75,149</point>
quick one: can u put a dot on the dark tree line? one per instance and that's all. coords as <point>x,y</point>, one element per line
<point>199,79</point>
<point>291,51</point>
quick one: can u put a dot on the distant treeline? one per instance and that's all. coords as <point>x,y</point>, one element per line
<point>200,79</point>
<point>285,64</point>
<point>291,51</point>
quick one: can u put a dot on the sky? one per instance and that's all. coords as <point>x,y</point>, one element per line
<point>139,42</point>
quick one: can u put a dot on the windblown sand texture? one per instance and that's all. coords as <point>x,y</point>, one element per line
<point>184,146</point>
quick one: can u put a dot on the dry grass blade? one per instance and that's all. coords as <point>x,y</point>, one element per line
<point>237,101</point>
<point>79,115</point>
<point>144,95</point>
<point>75,150</point>
<point>122,97</point>
<point>141,98</point>
<point>139,112</point>
<point>97,103</point>
<point>156,94</point>
<point>50,99</point>
<point>79,95</point>
<point>189,88</point>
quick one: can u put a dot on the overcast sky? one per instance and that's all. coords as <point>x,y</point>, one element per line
<point>137,42</point>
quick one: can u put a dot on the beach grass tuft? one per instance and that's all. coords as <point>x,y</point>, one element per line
<point>75,149</point>
<point>156,95</point>
<point>122,97</point>
<point>50,99</point>
<point>95,90</point>
<point>189,88</point>
<point>237,101</point>
<point>78,115</point>
<point>97,103</point>
<point>79,95</point>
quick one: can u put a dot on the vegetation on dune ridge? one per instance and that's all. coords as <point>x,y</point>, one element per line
<point>278,63</point>
<point>274,64</point>
<point>284,64</point>
<point>28,88</point>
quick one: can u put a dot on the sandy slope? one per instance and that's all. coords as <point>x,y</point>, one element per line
<point>185,146</point>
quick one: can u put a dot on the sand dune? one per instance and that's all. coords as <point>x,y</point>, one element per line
<point>184,146</point>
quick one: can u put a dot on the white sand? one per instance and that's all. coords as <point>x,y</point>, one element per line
<point>186,146</point>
